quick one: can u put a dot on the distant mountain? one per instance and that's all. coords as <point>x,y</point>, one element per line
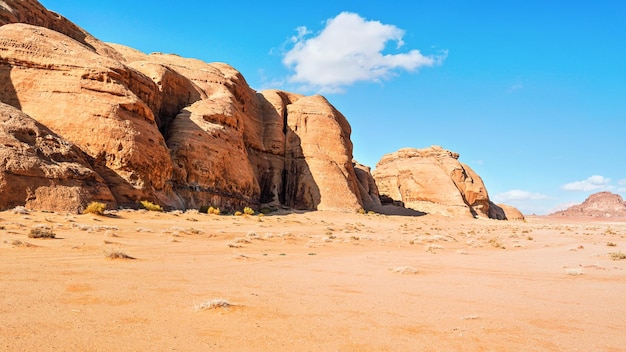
<point>598,205</point>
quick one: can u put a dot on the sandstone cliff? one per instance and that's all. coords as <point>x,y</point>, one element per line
<point>597,205</point>
<point>176,131</point>
<point>41,170</point>
<point>432,180</point>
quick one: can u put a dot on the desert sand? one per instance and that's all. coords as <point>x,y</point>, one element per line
<point>313,281</point>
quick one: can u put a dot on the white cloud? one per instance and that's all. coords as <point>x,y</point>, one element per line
<point>515,195</point>
<point>593,183</point>
<point>350,49</point>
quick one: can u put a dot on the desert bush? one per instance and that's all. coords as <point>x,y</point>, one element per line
<point>617,255</point>
<point>213,304</point>
<point>20,210</point>
<point>496,243</point>
<point>116,254</point>
<point>248,211</point>
<point>150,206</point>
<point>361,211</point>
<point>95,208</point>
<point>41,232</point>
<point>611,244</point>
<point>214,211</point>
<point>238,213</point>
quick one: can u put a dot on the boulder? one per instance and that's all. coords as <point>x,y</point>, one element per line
<point>42,171</point>
<point>432,180</point>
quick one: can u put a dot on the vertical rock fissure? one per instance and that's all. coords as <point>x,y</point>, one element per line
<point>282,196</point>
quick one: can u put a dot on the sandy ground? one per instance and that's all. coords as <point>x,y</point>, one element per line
<point>314,281</point>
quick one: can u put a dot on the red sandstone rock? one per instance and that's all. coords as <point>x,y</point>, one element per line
<point>432,180</point>
<point>40,170</point>
<point>597,205</point>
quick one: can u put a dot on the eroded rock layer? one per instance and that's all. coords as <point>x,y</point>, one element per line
<point>432,180</point>
<point>176,131</point>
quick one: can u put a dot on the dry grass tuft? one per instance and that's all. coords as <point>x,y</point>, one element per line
<point>41,232</point>
<point>213,304</point>
<point>406,270</point>
<point>617,255</point>
<point>150,206</point>
<point>116,254</point>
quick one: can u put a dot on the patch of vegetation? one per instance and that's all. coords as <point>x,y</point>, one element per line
<point>361,211</point>
<point>495,242</point>
<point>20,210</point>
<point>41,232</point>
<point>96,208</point>
<point>611,244</point>
<point>248,211</point>
<point>238,213</point>
<point>617,255</point>
<point>116,254</point>
<point>150,206</point>
<point>210,210</point>
<point>213,304</point>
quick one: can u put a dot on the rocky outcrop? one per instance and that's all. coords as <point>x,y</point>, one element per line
<point>176,131</point>
<point>505,212</point>
<point>367,187</point>
<point>598,205</point>
<point>432,180</point>
<point>40,170</point>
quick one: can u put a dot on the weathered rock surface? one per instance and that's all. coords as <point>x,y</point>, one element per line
<point>597,205</point>
<point>177,131</point>
<point>40,170</point>
<point>432,180</point>
<point>505,212</point>
<point>367,187</point>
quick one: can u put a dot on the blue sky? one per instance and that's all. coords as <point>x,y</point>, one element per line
<point>532,94</point>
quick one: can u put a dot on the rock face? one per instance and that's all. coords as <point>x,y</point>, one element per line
<point>432,180</point>
<point>367,187</point>
<point>40,170</point>
<point>598,205</point>
<point>176,131</point>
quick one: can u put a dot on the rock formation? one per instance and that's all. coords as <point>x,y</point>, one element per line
<point>597,205</point>
<point>367,187</point>
<point>41,170</point>
<point>432,180</point>
<point>176,131</point>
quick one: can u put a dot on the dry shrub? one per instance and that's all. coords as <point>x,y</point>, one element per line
<point>150,206</point>
<point>116,254</point>
<point>41,232</point>
<point>213,304</point>
<point>95,208</point>
<point>248,211</point>
<point>617,255</point>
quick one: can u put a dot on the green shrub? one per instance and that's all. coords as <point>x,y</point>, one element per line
<point>95,208</point>
<point>248,211</point>
<point>41,232</point>
<point>214,211</point>
<point>150,206</point>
